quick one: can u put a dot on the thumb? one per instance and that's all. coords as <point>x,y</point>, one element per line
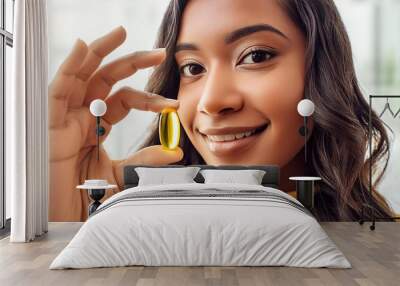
<point>152,155</point>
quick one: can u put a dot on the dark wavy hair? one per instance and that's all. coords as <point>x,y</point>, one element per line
<point>339,141</point>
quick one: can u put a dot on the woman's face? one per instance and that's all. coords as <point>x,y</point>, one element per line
<point>242,66</point>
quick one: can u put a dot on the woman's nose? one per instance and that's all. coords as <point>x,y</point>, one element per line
<point>219,96</point>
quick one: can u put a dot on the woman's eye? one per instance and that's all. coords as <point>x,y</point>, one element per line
<point>191,69</point>
<point>257,56</point>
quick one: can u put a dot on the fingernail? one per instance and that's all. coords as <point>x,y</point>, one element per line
<point>78,42</point>
<point>119,28</point>
<point>173,100</point>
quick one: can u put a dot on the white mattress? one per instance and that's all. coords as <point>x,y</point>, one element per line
<point>189,230</point>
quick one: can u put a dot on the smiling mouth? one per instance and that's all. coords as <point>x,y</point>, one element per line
<point>232,140</point>
<point>234,136</point>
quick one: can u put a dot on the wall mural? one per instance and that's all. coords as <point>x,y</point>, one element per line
<point>160,82</point>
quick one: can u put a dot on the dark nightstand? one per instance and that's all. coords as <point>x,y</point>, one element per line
<point>96,190</point>
<point>305,190</point>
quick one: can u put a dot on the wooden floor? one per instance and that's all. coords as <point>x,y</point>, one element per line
<point>374,255</point>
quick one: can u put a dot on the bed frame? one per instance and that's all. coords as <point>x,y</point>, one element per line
<point>270,179</point>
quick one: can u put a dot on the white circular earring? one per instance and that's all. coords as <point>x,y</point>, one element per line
<point>305,108</point>
<point>98,108</point>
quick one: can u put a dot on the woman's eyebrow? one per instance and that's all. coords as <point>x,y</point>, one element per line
<point>236,35</point>
<point>248,30</point>
<point>185,46</point>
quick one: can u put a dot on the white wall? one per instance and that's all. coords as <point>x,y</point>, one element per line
<point>89,19</point>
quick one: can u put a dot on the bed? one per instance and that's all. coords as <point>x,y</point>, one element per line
<point>201,224</point>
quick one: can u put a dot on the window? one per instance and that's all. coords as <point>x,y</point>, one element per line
<point>6,44</point>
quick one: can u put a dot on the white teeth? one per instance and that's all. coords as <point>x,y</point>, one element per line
<point>229,137</point>
<point>241,135</point>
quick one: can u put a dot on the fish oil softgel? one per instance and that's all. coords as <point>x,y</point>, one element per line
<point>169,128</point>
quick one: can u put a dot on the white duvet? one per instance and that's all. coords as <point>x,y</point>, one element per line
<point>207,230</point>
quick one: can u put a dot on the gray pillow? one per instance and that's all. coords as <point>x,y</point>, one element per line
<point>162,176</point>
<point>248,177</point>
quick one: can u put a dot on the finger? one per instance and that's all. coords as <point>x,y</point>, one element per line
<point>62,85</point>
<point>119,104</point>
<point>152,155</point>
<point>100,48</point>
<point>96,52</point>
<point>72,63</point>
<point>104,78</point>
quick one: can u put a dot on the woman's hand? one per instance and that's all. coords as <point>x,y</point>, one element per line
<point>73,154</point>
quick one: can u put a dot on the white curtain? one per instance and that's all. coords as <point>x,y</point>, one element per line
<point>26,117</point>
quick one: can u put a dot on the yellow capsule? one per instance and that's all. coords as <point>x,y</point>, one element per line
<point>169,128</point>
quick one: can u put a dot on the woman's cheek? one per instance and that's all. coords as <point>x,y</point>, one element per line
<point>277,92</point>
<point>276,97</point>
<point>187,111</point>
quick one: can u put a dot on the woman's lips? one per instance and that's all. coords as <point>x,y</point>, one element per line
<point>225,144</point>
